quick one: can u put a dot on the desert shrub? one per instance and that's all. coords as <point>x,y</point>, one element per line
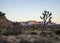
<point>3,41</point>
<point>34,33</point>
<point>57,32</point>
<point>0,30</point>
<point>43,41</point>
<point>12,32</point>
<point>43,34</point>
<point>24,41</point>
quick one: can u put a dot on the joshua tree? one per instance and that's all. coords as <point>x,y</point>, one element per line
<point>46,17</point>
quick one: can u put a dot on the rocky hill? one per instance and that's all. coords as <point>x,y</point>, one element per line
<point>4,22</point>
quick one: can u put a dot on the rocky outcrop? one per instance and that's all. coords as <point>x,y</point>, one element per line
<point>4,22</point>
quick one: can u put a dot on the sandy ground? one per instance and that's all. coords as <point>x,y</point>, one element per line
<point>23,38</point>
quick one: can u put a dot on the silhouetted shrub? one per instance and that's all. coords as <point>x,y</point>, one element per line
<point>42,41</point>
<point>3,41</point>
<point>0,30</point>
<point>57,32</point>
<point>24,41</point>
<point>34,33</point>
<point>12,32</point>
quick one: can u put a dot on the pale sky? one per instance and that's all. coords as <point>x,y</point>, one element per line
<point>24,10</point>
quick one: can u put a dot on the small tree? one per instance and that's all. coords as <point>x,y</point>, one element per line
<point>46,17</point>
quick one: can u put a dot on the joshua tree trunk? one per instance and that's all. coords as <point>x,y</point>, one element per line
<point>43,27</point>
